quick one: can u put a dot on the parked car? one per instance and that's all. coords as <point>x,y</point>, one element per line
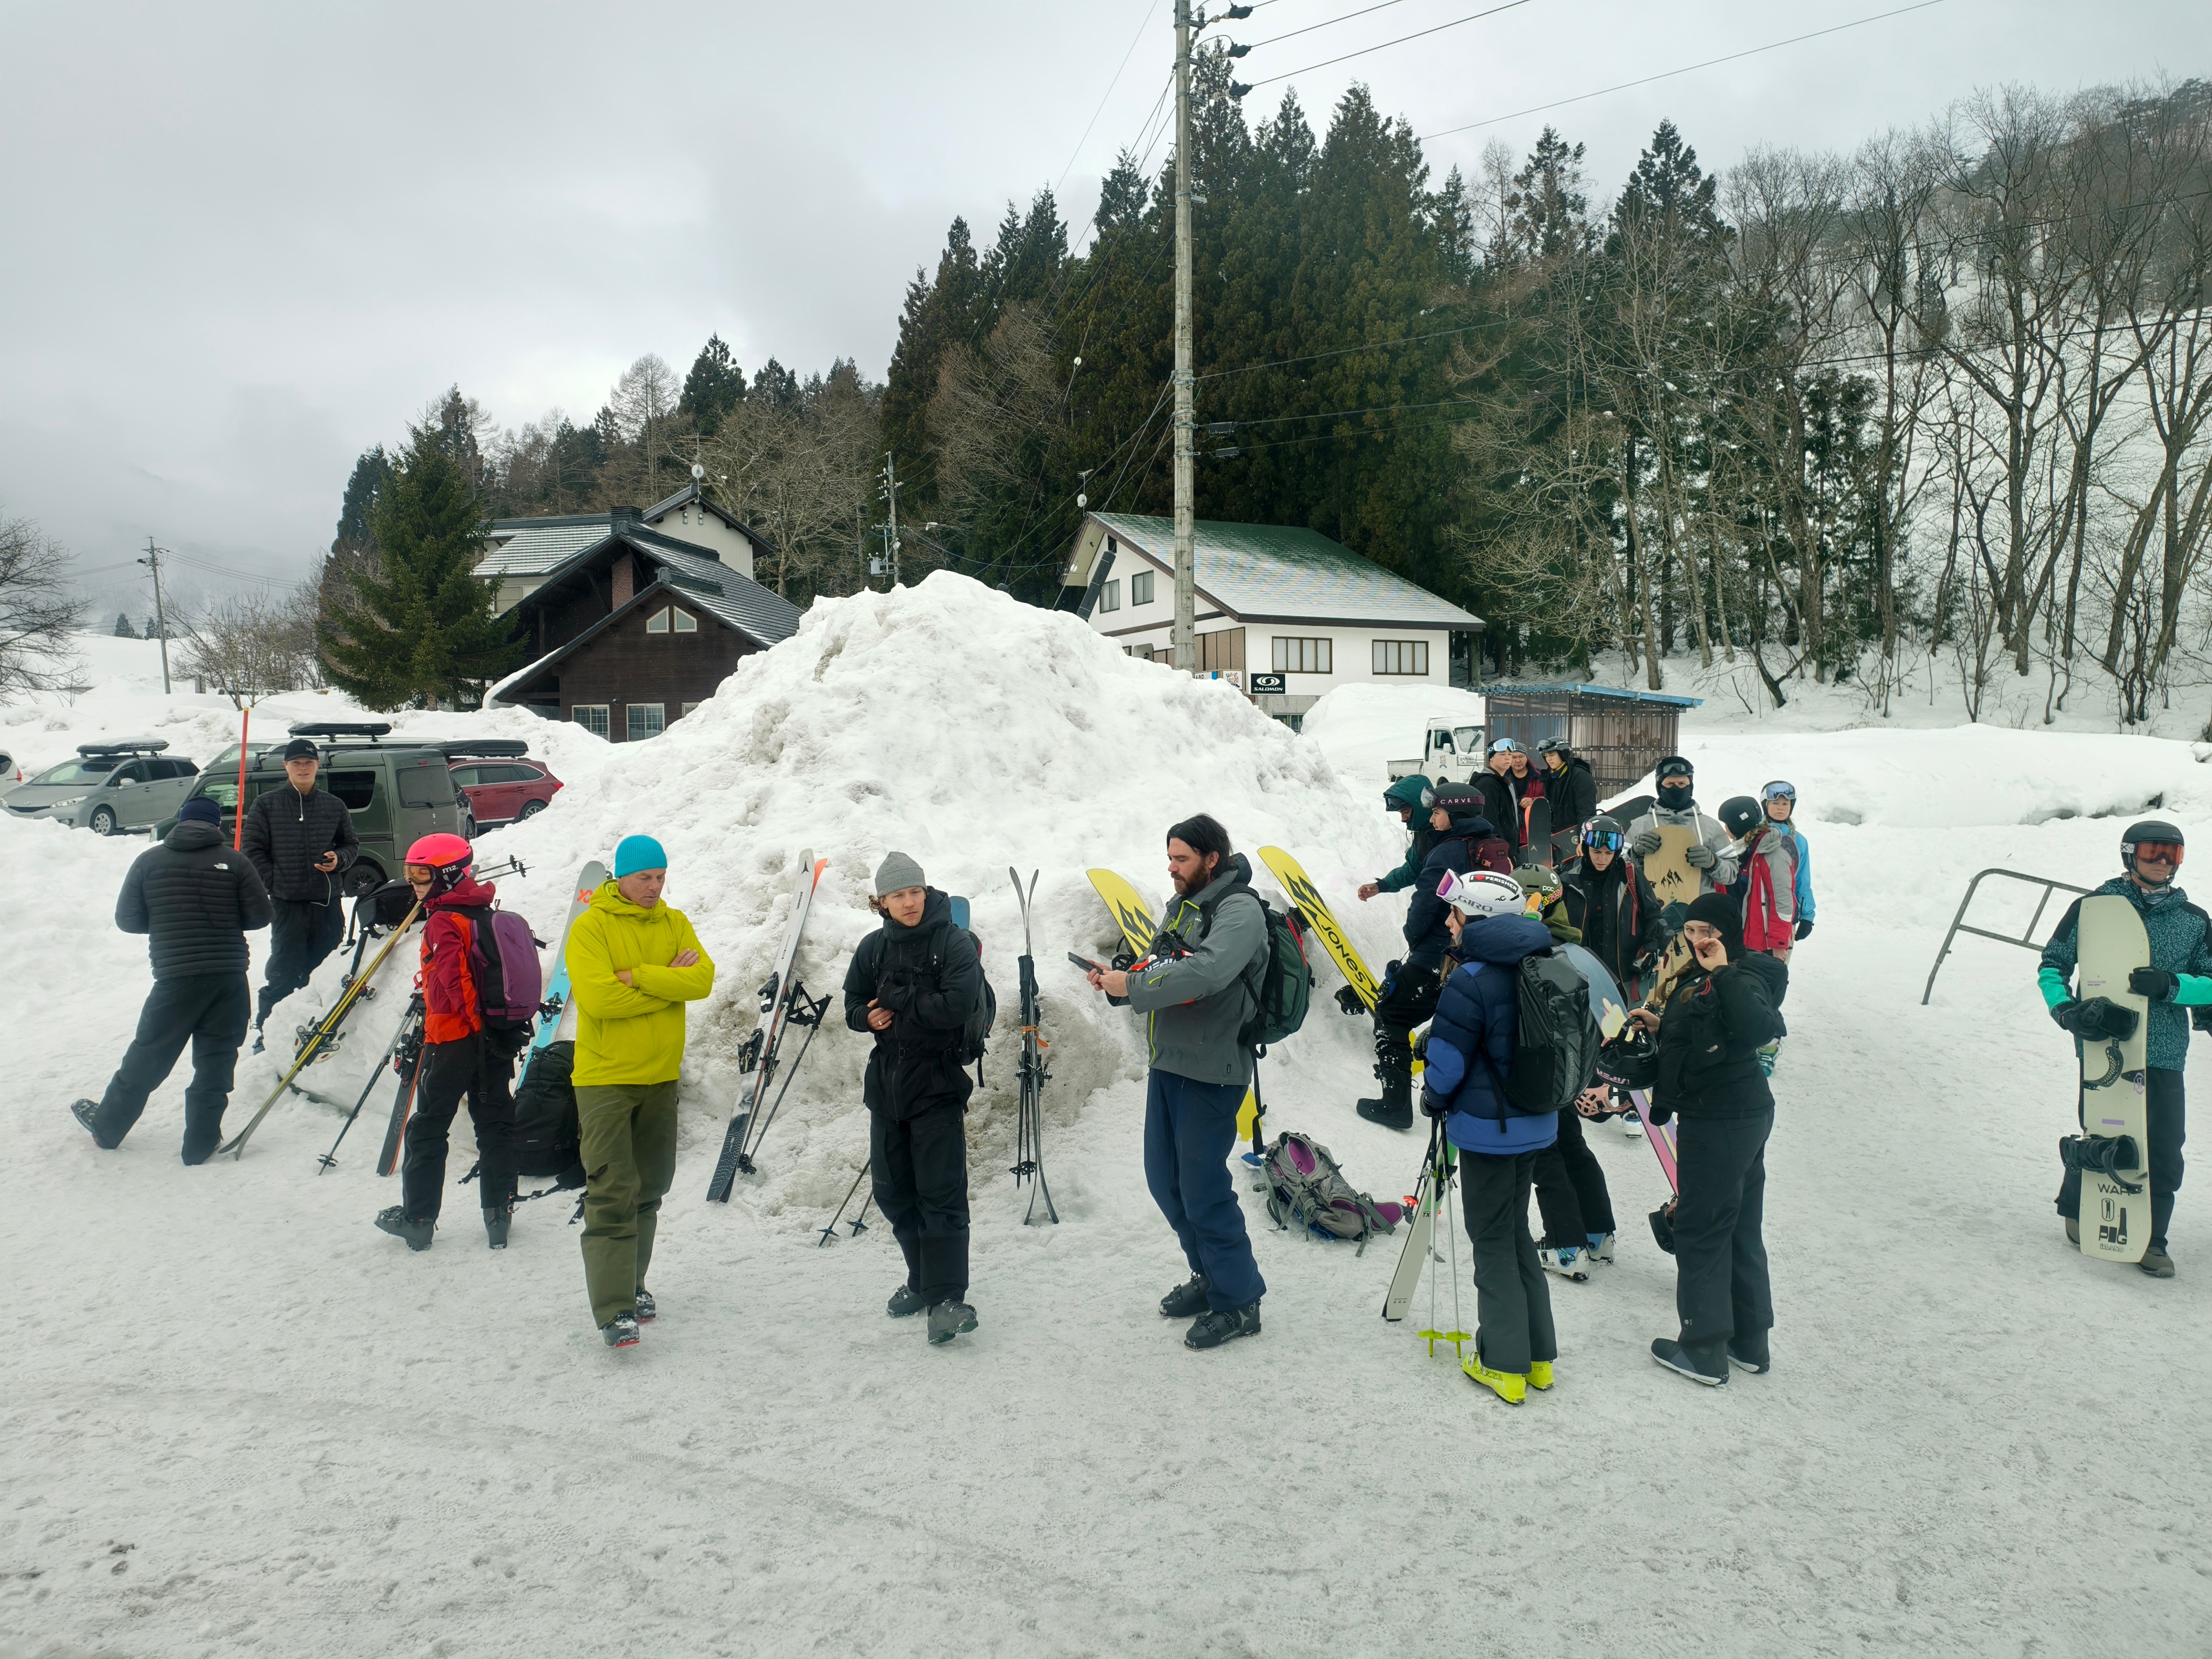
<point>10,773</point>
<point>504,783</point>
<point>398,790</point>
<point>109,787</point>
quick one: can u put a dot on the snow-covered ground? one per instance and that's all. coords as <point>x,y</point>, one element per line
<point>240,1420</point>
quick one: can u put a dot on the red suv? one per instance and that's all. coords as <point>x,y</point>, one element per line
<point>503,790</point>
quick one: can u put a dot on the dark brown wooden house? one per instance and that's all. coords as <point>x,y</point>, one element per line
<point>635,630</point>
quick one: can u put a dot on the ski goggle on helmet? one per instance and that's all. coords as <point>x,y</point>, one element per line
<point>1480,893</point>
<point>1778,790</point>
<point>1603,841</point>
<point>1505,746</point>
<point>2159,844</point>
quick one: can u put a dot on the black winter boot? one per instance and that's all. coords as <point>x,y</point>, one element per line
<point>84,1111</point>
<point>394,1220</point>
<point>495,1224</point>
<point>1749,1353</point>
<point>1701,1362</point>
<point>1395,1109</point>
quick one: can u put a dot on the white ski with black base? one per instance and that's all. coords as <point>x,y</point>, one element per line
<point>783,1003</point>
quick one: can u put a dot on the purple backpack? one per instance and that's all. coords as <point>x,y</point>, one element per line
<point>503,958</point>
<point>1305,1186</point>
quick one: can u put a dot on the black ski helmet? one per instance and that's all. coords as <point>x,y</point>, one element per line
<point>2150,829</point>
<point>1739,815</point>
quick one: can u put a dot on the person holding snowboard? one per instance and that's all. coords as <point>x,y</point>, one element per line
<point>1572,1197</point>
<point>196,900</point>
<point>2179,976</point>
<point>1470,1049</point>
<point>1717,1015</point>
<point>1404,797</point>
<point>460,1057</point>
<point>634,962</point>
<point>1571,787</point>
<point>1609,900</point>
<point>300,841</point>
<point>1708,855</point>
<point>1463,835</point>
<point>1196,990</point>
<point>911,986</point>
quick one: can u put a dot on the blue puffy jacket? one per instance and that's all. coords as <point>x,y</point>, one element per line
<point>1476,1015</point>
<point>1427,936</point>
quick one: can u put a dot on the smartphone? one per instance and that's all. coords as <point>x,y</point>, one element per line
<point>1086,964</point>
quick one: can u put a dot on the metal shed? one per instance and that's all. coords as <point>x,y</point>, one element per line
<point>1622,733</point>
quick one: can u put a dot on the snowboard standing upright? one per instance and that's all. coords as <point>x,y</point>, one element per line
<point>780,996</point>
<point>1667,869</point>
<point>2115,1208</point>
<point>1319,917</point>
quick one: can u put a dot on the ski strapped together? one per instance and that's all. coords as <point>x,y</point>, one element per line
<point>1029,1123</point>
<point>783,1003</point>
<point>407,1061</point>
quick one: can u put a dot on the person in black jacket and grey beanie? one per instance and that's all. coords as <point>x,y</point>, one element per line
<point>195,899</point>
<point>1716,1018</point>
<point>912,985</point>
<point>300,841</point>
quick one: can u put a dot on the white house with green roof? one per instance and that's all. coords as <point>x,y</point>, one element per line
<point>1272,600</point>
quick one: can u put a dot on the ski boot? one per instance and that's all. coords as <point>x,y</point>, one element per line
<point>1539,1374</point>
<point>496,1220</point>
<point>1511,1387</point>
<point>646,1311</point>
<point>621,1331</point>
<point>84,1111</point>
<point>949,1319</point>
<point>1631,1124</point>
<point>2157,1263</point>
<point>1701,1362</point>
<point>395,1221</point>
<point>1186,1301</point>
<point>1749,1353</point>
<point>1601,1249</point>
<point>905,1302</point>
<point>1566,1260</point>
<point>1395,1065</point>
<point>1211,1330</point>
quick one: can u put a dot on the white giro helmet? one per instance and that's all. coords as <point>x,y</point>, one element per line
<point>1482,893</point>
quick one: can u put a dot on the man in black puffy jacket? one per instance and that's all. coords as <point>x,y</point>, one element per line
<point>195,899</point>
<point>301,839</point>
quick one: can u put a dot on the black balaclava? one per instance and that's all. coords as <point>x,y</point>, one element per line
<point>1676,783</point>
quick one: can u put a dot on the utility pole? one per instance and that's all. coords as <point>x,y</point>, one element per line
<point>152,561</point>
<point>1183,644</point>
<point>891,531</point>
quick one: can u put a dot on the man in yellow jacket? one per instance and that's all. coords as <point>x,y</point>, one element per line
<point>633,964</point>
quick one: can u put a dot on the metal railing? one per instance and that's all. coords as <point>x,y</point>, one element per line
<point>2027,939</point>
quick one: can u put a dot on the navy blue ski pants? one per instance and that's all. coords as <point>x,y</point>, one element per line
<point>1190,1128</point>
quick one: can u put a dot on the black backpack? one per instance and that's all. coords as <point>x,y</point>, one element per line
<point>540,1140</point>
<point>1555,1038</point>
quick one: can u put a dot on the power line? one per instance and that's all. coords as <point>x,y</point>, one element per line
<point>1417,35</point>
<point>1667,74</point>
<point>1150,7</point>
<point>1325,22</point>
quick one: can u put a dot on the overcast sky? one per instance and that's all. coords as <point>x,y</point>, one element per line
<point>248,241</point>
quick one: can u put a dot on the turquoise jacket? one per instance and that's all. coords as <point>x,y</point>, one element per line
<point>1408,793</point>
<point>2180,942</point>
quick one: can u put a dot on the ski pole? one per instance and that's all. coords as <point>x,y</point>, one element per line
<point>830,1232</point>
<point>329,1160</point>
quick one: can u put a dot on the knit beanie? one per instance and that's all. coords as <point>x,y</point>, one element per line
<point>200,810</point>
<point>898,873</point>
<point>636,853</point>
<point>1719,911</point>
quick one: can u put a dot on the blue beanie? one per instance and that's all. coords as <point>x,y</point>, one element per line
<point>636,853</point>
<point>200,810</point>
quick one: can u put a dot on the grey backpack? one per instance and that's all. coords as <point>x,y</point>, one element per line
<point>1305,1187</point>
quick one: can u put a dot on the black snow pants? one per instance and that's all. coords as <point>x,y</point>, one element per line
<point>301,934</point>
<point>208,1011</point>
<point>1571,1196</point>
<point>2166,1111</point>
<point>918,1170</point>
<point>1409,996</point>
<point>1512,1304</point>
<point>1721,1287</point>
<point>475,1067</point>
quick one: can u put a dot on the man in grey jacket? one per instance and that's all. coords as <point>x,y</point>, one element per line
<point>1196,989</point>
<point>1710,857</point>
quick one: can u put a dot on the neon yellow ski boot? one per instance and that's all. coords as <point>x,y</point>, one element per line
<point>1539,1374</point>
<point>1511,1387</point>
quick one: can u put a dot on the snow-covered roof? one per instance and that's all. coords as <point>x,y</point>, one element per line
<point>1278,573</point>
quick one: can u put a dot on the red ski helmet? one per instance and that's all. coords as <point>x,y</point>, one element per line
<point>448,856</point>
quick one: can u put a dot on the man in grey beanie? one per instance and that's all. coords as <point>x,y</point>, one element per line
<point>912,985</point>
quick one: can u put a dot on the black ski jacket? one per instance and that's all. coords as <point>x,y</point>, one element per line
<point>1427,935</point>
<point>1573,795</point>
<point>195,899</point>
<point>1501,805</point>
<point>1617,913</point>
<point>287,831</point>
<point>1710,1036</point>
<point>929,977</point>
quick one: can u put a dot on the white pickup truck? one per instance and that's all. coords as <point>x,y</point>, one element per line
<point>1448,752</point>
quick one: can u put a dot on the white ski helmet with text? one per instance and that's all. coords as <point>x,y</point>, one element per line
<point>1479,893</point>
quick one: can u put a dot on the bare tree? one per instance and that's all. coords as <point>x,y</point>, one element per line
<point>251,647</point>
<point>644,402</point>
<point>37,612</point>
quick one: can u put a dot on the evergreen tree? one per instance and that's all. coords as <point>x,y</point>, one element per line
<point>777,388</point>
<point>1548,210</point>
<point>416,624</point>
<point>714,387</point>
<point>938,315</point>
<point>369,474</point>
<point>123,627</point>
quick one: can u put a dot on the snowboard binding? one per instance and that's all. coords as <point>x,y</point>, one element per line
<point>2103,1155</point>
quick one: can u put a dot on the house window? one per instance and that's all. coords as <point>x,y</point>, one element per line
<point>1303,656</point>
<point>1402,656</point>
<point>688,708</point>
<point>685,621</point>
<point>657,622</point>
<point>647,719</point>
<point>1141,588</point>
<point>591,716</point>
<point>1109,596</point>
<point>1220,650</point>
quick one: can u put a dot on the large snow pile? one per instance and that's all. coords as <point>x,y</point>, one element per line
<point>1363,728</point>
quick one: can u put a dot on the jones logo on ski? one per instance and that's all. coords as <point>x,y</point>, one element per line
<point>783,1000</point>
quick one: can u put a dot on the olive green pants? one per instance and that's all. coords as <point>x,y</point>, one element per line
<point>628,1144</point>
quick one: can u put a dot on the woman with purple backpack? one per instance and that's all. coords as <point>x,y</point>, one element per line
<point>460,1056</point>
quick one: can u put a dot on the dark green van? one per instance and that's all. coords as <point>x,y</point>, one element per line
<point>398,790</point>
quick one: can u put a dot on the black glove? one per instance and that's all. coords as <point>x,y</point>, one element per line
<point>2096,1020</point>
<point>1348,1000</point>
<point>2201,1018</point>
<point>2156,983</point>
<point>1805,927</point>
<point>2062,1015</point>
<point>1433,1105</point>
<point>895,994</point>
<point>1655,1114</point>
<point>1700,858</point>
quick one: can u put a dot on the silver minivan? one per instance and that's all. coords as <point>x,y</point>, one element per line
<point>110,789</point>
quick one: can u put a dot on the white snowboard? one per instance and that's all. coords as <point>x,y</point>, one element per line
<point>2110,944</point>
